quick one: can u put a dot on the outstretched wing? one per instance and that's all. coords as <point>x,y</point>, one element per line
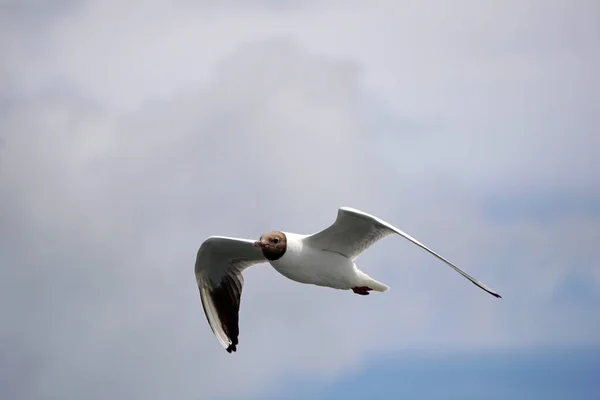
<point>355,231</point>
<point>219,265</point>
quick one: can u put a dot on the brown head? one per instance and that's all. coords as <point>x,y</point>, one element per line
<point>272,244</point>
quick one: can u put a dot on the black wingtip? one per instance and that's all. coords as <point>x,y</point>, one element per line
<point>481,286</point>
<point>231,348</point>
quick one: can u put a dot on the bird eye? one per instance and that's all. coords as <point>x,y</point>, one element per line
<point>276,240</point>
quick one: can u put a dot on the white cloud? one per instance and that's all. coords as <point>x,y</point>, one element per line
<point>131,134</point>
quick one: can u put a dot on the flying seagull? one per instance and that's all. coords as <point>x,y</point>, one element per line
<point>325,258</point>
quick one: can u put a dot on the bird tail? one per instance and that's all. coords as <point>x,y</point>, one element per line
<point>377,286</point>
<point>366,280</point>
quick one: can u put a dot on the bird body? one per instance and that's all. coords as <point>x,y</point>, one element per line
<point>325,258</point>
<point>304,263</point>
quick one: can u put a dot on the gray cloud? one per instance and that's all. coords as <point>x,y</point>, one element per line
<point>110,209</point>
<point>102,207</point>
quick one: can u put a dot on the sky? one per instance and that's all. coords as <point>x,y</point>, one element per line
<point>130,132</point>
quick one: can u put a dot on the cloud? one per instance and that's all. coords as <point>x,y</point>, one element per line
<point>110,209</point>
<point>129,140</point>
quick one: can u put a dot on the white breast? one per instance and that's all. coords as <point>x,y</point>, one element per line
<point>305,264</point>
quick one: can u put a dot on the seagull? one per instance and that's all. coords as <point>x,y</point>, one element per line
<point>325,258</point>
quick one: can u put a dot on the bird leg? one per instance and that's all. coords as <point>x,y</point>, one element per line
<point>362,290</point>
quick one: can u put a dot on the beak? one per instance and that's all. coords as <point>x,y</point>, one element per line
<point>259,244</point>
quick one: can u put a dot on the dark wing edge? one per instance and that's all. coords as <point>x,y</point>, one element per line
<point>221,306</point>
<point>218,269</point>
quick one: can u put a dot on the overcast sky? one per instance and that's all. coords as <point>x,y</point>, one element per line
<point>130,132</point>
